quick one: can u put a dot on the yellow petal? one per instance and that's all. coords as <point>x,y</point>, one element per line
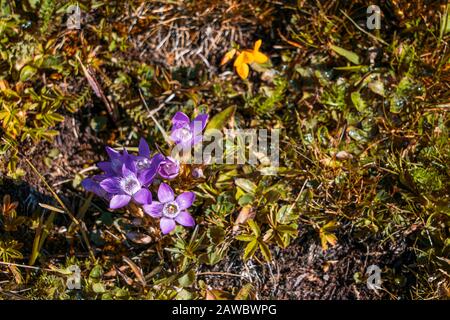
<point>259,57</point>
<point>257,45</point>
<point>243,70</point>
<point>228,56</point>
<point>243,57</point>
<point>239,60</point>
<point>248,56</point>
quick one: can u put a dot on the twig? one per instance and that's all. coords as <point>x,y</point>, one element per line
<point>25,266</point>
<point>210,273</point>
<point>298,196</point>
<point>362,30</point>
<point>97,89</point>
<point>150,113</point>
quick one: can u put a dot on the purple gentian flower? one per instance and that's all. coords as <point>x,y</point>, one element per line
<point>114,166</point>
<point>171,210</point>
<point>128,186</point>
<point>169,168</point>
<point>93,185</point>
<point>185,132</point>
<point>126,177</point>
<point>144,166</point>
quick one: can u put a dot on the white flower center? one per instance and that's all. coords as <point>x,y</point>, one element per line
<point>185,134</point>
<point>130,185</point>
<point>143,163</point>
<point>171,209</point>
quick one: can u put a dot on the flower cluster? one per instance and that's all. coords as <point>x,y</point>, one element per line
<point>127,178</point>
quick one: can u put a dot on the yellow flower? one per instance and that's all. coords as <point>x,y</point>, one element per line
<point>245,58</point>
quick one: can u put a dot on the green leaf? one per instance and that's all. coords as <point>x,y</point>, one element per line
<point>377,87</point>
<point>358,101</point>
<point>250,249</point>
<point>286,214</point>
<point>96,272</point>
<point>27,73</point>
<point>246,199</point>
<point>349,55</point>
<point>187,279</point>
<point>265,251</point>
<point>244,293</point>
<point>445,22</point>
<point>245,237</point>
<point>98,287</point>
<point>245,184</point>
<point>184,295</point>
<point>220,120</point>
<point>287,229</point>
<point>255,228</point>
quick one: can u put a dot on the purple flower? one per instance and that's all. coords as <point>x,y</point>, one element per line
<point>114,166</point>
<point>169,168</point>
<point>126,177</point>
<point>171,210</point>
<point>142,164</point>
<point>127,186</point>
<point>197,173</point>
<point>185,132</point>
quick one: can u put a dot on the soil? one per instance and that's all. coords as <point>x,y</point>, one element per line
<point>304,271</point>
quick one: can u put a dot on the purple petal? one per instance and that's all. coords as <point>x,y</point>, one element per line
<point>185,219</point>
<point>105,166</point>
<point>119,201</point>
<point>196,126</point>
<point>180,120</point>
<point>143,196</point>
<point>177,135</point>
<point>126,171</point>
<point>154,209</point>
<point>116,166</point>
<point>144,150</point>
<point>158,158</point>
<point>147,175</point>
<point>185,200</point>
<point>129,163</point>
<point>169,168</point>
<point>113,154</point>
<point>111,185</point>
<point>186,146</point>
<point>167,225</point>
<point>202,119</point>
<point>91,186</point>
<point>88,184</point>
<point>165,193</point>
